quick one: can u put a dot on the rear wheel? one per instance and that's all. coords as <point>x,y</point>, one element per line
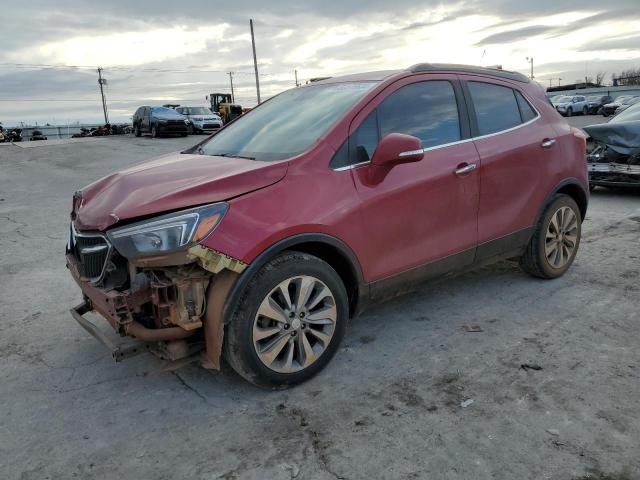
<point>136,130</point>
<point>288,323</point>
<point>154,131</point>
<point>556,239</point>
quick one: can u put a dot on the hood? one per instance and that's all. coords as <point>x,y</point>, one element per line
<point>622,137</point>
<point>171,182</point>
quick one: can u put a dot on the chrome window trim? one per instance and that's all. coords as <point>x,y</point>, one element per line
<point>458,142</point>
<point>75,233</point>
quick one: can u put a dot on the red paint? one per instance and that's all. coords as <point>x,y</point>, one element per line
<point>171,182</point>
<point>405,216</point>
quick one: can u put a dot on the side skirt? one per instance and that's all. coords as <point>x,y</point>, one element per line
<point>509,246</point>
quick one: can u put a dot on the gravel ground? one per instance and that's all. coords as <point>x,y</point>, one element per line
<point>410,395</point>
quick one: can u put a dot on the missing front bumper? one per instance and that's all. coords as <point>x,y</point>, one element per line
<point>119,352</point>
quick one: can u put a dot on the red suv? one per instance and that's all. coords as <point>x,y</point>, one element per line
<point>262,241</point>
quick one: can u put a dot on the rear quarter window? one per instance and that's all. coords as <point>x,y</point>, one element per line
<point>526,110</point>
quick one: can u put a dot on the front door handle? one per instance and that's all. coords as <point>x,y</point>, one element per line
<point>548,142</point>
<point>465,168</point>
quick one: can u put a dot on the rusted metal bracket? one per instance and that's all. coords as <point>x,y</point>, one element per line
<point>119,352</point>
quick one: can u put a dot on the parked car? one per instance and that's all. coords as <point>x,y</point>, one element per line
<point>595,103</point>
<point>202,119</point>
<point>261,241</point>
<point>37,135</point>
<point>570,105</point>
<point>610,108</point>
<point>160,121</point>
<point>626,104</point>
<point>614,157</point>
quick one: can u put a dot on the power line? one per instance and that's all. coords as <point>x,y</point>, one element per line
<point>122,68</point>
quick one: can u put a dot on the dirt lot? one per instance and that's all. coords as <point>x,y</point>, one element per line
<point>388,406</point>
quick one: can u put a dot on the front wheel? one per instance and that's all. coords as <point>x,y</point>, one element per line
<point>289,322</point>
<point>569,112</point>
<point>555,241</point>
<point>585,111</point>
<point>136,130</point>
<point>154,131</point>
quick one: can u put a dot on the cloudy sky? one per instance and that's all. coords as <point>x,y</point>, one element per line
<point>156,52</point>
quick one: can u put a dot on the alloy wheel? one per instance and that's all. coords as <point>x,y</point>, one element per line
<point>561,237</point>
<point>294,324</point>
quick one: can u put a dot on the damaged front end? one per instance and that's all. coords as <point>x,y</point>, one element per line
<point>153,281</point>
<point>613,159</point>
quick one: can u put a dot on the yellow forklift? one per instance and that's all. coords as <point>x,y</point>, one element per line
<point>222,104</point>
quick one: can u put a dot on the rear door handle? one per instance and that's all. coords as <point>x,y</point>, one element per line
<point>548,142</point>
<point>465,168</point>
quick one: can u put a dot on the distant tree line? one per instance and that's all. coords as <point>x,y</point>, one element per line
<point>627,77</point>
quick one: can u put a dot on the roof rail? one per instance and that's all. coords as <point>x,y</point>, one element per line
<point>452,67</point>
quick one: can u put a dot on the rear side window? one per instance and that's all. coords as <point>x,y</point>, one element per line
<point>496,107</point>
<point>526,110</point>
<point>427,110</point>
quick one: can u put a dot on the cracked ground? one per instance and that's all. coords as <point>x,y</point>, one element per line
<point>387,406</point>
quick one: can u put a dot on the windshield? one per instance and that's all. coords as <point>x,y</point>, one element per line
<point>288,124</point>
<point>594,98</point>
<point>630,114</point>
<point>198,111</point>
<point>164,111</point>
<point>563,99</point>
<point>631,100</point>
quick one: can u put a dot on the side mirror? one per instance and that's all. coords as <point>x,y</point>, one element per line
<point>397,148</point>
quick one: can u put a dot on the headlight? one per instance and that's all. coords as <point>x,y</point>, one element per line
<point>167,233</point>
<point>162,122</point>
<point>187,122</point>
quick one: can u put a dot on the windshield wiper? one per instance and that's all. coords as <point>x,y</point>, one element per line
<point>233,155</point>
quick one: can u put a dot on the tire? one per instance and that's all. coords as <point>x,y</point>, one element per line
<point>585,111</point>
<point>569,112</point>
<point>535,260</point>
<point>592,187</point>
<point>136,131</point>
<point>154,131</point>
<point>241,348</point>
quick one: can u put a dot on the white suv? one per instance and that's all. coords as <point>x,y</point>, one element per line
<point>202,119</point>
<point>568,106</point>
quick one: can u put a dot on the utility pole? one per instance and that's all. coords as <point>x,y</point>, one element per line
<point>530,60</point>
<point>233,98</point>
<point>296,74</point>
<point>255,61</point>
<point>559,80</point>
<point>101,82</point>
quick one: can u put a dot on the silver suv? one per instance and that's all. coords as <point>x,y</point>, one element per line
<point>570,105</point>
<point>202,119</point>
